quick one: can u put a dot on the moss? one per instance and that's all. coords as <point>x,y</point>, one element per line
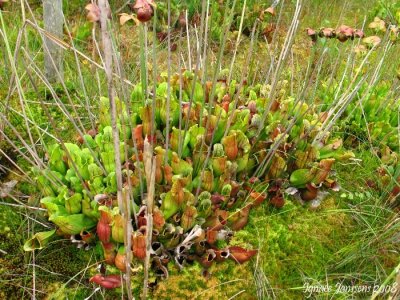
<point>56,264</point>
<point>225,280</point>
<point>295,242</point>
<point>62,257</point>
<point>4,161</point>
<point>12,270</point>
<point>27,189</point>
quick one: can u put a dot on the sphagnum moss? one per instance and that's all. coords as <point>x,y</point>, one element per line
<point>12,269</point>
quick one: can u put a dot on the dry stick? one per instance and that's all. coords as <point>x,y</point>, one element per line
<point>339,88</point>
<point>96,47</point>
<point>228,24</point>
<point>281,62</point>
<point>15,166</point>
<point>254,62</point>
<point>143,62</point>
<point>347,97</point>
<point>292,72</point>
<point>150,170</point>
<point>301,98</point>
<point>15,146</point>
<point>391,96</point>
<point>5,169</point>
<point>198,60</point>
<point>60,139</point>
<point>14,111</point>
<point>244,74</point>
<point>38,161</point>
<point>168,85</point>
<point>16,51</point>
<point>59,74</point>
<point>188,38</point>
<point>135,149</point>
<point>272,52</point>
<point>18,81</point>
<point>265,162</point>
<point>371,85</point>
<point>256,72</point>
<point>66,46</point>
<point>153,107</point>
<point>28,217</point>
<point>237,41</point>
<point>271,62</point>
<point>108,58</point>
<point>146,56</point>
<point>89,111</point>
<point>205,44</point>
<point>122,7</point>
<point>22,204</point>
<point>33,275</point>
<point>286,47</point>
<point>23,20</point>
<point>107,48</point>
<point>211,99</point>
<point>343,102</point>
<point>237,294</point>
<point>62,108</point>
<point>228,13</point>
<point>83,277</point>
<point>14,87</point>
<point>180,143</point>
<point>92,107</point>
<point>316,83</point>
<point>127,194</point>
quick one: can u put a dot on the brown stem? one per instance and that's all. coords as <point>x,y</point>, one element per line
<point>150,171</point>
<point>108,61</point>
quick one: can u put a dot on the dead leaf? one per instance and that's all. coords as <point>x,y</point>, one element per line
<point>123,18</point>
<point>7,187</point>
<point>270,10</point>
<point>372,41</point>
<point>241,255</point>
<point>378,25</point>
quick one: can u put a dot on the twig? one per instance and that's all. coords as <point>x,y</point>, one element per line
<point>108,59</point>
<point>150,170</point>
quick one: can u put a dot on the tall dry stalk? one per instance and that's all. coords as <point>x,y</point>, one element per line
<point>123,204</point>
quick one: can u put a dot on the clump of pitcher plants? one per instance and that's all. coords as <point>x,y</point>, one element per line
<point>218,154</point>
<point>342,33</point>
